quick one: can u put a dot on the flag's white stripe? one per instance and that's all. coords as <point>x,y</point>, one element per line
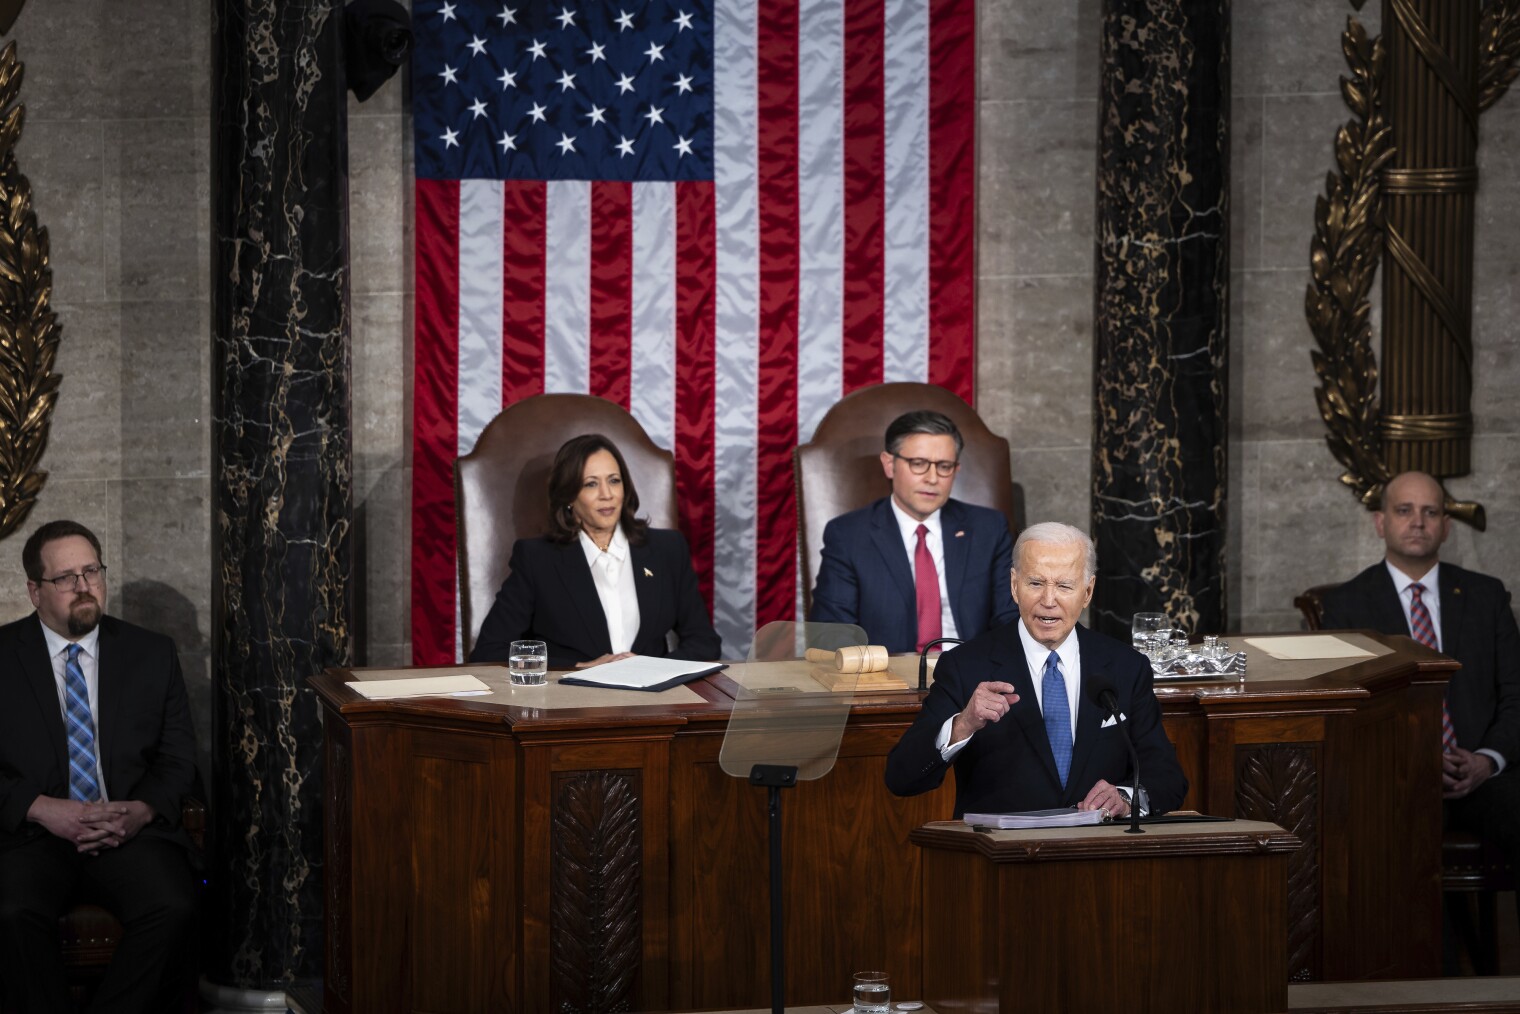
<point>820,154</point>
<point>567,287</point>
<point>905,346</point>
<point>480,318</point>
<point>735,170</point>
<point>652,380</point>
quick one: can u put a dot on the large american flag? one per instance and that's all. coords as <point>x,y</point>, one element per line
<point>721,214</point>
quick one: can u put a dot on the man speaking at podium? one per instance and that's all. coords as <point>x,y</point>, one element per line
<point>1014,709</point>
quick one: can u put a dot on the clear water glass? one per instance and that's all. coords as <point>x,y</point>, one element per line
<point>1143,630</point>
<point>873,993</point>
<point>528,663</point>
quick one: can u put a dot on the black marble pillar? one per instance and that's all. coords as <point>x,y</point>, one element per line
<point>1161,309</point>
<point>281,474</point>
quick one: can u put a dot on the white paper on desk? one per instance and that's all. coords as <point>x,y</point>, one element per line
<point>1065,816</point>
<point>424,686</point>
<point>640,672</point>
<point>1296,647</point>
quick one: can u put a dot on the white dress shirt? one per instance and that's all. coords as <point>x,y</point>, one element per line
<point>612,573</point>
<point>907,524</point>
<point>89,664</point>
<point>1431,597</point>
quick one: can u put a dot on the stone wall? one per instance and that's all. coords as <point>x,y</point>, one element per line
<point>117,147</point>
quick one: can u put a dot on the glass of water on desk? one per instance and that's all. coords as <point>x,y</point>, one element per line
<point>528,663</point>
<point>873,994</point>
<point>1144,629</point>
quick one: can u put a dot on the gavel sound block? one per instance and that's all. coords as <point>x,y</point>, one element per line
<point>866,662</point>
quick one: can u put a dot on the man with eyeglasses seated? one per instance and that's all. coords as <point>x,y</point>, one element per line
<point>97,754</point>
<point>1462,614</point>
<point>917,565</point>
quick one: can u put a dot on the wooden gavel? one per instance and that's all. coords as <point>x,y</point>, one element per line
<point>856,658</point>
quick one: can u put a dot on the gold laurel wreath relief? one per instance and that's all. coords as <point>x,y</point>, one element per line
<point>29,329</point>
<point>1347,247</point>
<point>1343,260</point>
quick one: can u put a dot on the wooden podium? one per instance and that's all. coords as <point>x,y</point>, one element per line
<point>1183,917</point>
<point>459,833</point>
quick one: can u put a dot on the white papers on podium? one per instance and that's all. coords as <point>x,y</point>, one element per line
<point>423,686</point>
<point>1065,816</point>
<point>1295,647</point>
<point>640,672</point>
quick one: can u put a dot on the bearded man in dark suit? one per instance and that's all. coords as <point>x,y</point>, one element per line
<point>1013,710</point>
<point>97,754</point>
<point>1464,615</point>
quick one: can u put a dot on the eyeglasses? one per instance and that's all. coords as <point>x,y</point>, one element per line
<point>95,576</point>
<point>918,466</point>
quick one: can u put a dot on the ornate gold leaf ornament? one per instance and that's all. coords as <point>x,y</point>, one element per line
<point>1349,238</point>
<point>29,330</point>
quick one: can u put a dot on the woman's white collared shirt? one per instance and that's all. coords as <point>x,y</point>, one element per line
<point>612,573</point>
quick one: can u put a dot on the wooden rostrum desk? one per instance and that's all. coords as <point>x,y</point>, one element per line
<point>568,849</point>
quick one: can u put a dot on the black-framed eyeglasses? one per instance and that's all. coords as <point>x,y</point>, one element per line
<point>918,466</point>
<point>94,576</point>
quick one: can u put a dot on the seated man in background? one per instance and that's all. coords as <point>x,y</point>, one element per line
<point>1461,614</point>
<point>916,565</point>
<point>97,755</point>
<point>1014,709</point>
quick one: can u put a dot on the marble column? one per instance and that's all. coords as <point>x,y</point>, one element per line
<point>281,479</point>
<point>1161,309</point>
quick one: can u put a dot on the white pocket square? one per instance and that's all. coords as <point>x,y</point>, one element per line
<point>1114,721</point>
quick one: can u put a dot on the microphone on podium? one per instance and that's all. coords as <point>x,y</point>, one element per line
<point>1107,702</point>
<point>923,660</point>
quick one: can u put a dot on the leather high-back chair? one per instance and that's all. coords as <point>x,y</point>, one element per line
<point>501,488</point>
<point>840,469</point>
<point>1312,604</point>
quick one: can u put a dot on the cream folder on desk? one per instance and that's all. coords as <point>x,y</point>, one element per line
<point>424,686</point>
<point>1302,646</point>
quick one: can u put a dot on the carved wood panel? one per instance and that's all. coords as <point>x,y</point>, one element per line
<point>1280,782</point>
<point>596,903</point>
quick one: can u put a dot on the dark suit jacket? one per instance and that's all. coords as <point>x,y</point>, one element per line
<point>144,733</point>
<point>865,576</point>
<point>1008,765</point>
<point>549,595</point>
<point>1477,629</point>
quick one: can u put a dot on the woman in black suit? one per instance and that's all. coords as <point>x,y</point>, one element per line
<point>601,584</point>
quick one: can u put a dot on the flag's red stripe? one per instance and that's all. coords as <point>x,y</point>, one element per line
<point>952,196</point>
<point>864,192</point>
<point>696,358</point>
<point>522,291</point>
<point>776,425</point>
<point>435,426</point>
<point>611,345</point>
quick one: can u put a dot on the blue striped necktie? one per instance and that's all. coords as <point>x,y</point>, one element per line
<point>81,727</point>
<point>1057,715</point>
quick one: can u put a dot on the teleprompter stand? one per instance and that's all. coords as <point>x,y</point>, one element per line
<point>782,731</point>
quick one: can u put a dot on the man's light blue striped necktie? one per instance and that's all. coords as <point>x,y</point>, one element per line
<point>83,785</point>
<point>1057,715</point>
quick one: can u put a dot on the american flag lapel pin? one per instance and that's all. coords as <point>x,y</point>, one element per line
<point>648,572</point>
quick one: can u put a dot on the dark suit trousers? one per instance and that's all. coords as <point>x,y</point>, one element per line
<point>146,883</point>
<point>1492,811</point>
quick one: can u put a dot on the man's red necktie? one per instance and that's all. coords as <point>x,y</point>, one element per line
<point>1424,631</point>
<point>926,580</point>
